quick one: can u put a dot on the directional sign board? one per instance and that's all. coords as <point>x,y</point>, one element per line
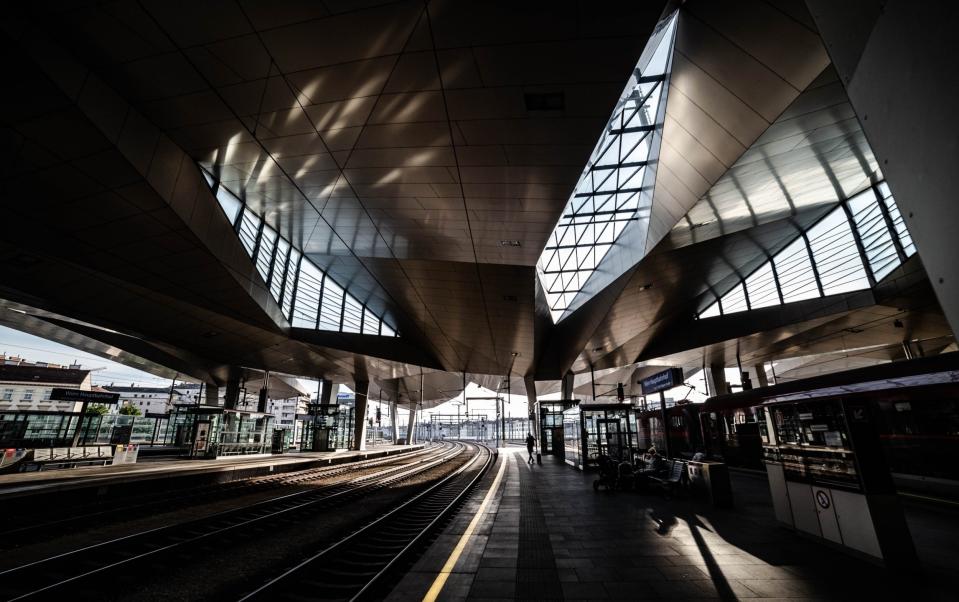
<point>80,395</point>
<point>661,381</point>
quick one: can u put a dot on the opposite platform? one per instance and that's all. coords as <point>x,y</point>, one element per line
<point>545,534</point>
<point>222,469</point>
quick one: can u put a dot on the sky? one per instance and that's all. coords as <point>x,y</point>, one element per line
<point>36,349</point>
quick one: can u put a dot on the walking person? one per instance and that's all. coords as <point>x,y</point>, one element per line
<point>530,443</point>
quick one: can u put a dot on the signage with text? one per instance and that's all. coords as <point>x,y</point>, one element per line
<point>661,381</point>
<point>80,395</point>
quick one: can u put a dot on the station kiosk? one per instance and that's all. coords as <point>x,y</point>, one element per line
<point>320,427</point>
<point>211,431</point>
<point>551,435</point>
<point>829,478</point>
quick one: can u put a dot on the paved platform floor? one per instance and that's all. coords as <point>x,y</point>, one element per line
<point>84,476</point>
<point>547,535</point>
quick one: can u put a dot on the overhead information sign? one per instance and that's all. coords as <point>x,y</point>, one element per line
<point>661,381</point>
<point>81,395</point>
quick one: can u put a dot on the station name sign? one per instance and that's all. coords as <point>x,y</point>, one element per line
<point>80,395</point>
<point>661,381</point>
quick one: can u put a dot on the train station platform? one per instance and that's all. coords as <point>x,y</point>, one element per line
<point>219,470</point>
<point>543,533</point>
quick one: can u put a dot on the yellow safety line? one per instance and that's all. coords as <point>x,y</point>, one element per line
<point>447,569</point>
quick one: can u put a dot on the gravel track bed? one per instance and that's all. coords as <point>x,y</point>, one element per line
<point>124,522</point>
<point>261,553</point>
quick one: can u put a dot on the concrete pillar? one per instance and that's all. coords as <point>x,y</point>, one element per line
<point>532,407</point>
<point>410,435</point>
<point>232,393</point>
<point>360,388</point>
<point>911,123</point>
<point>716,379</point>
<point>326,392</point>
<point>566,387</point>
<point>212,395</point>
<point>761,379</point>
<point>263,401</point>
<point>394,423</point>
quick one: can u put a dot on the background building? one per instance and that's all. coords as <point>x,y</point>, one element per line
<point>28,386</point>
<point>156,400</point>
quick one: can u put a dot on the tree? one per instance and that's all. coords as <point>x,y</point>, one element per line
<point>97,408</point>
<point>129,411</point>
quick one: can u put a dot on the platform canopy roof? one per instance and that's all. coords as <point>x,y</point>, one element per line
<point>501,189</point>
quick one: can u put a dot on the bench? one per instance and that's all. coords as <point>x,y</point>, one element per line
<point>675,476</point>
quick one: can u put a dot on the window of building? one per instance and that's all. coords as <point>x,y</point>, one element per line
<point>7,394</point>
<point>28,395</point>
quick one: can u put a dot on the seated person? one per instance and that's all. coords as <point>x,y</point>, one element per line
<point>699,456</point>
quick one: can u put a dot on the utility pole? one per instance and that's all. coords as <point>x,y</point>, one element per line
<point>503,415</point>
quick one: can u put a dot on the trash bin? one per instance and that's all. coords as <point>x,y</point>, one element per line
<point>711,480</point>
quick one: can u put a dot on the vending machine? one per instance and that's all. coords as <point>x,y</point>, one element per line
<point>829,478</point>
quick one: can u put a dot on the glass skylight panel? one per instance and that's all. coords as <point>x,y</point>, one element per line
<point>796,278</point>
<point>264,256</point>
<point>895,216</point>
<point>875,236</point>
<point>307,302</point>
<point>279,268</point>
<point>761,286</point>
<point>607,197</point>
<point>711,311</point>
<point>249,229</point>
<point>228,202</point>
<point>352,314</point>
<point>371,324</point>
<point>735,300</point>
<point>332,310</point>
<point>837,258</point>
<point>309,298</point>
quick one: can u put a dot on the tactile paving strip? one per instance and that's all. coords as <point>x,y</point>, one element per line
<point>536,574</point>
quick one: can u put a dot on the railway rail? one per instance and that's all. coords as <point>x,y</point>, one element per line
<point>353,568</point>
<point>28,528</point>
<point>78,572</point>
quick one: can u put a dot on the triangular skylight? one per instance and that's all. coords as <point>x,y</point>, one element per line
<point>609,195</point>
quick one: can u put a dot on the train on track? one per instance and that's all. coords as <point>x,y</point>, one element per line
<point>918,426</point>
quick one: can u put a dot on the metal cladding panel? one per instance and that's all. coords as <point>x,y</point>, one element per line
<point>371,136</point>
<point>855,522</point>
<point>812,156</point>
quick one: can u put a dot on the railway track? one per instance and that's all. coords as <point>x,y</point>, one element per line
<point>29,529</point>
<point>353,568</point>
<point>87,570</point>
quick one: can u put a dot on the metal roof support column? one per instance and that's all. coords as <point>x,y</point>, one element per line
<point>716,379</point>
<point>761,378</point>
<point>812,264</point>
<point>394,423</point>
<point>361,389</point>
<point>212,393</point>
<point>858,240</point>
<point>887,219</point>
